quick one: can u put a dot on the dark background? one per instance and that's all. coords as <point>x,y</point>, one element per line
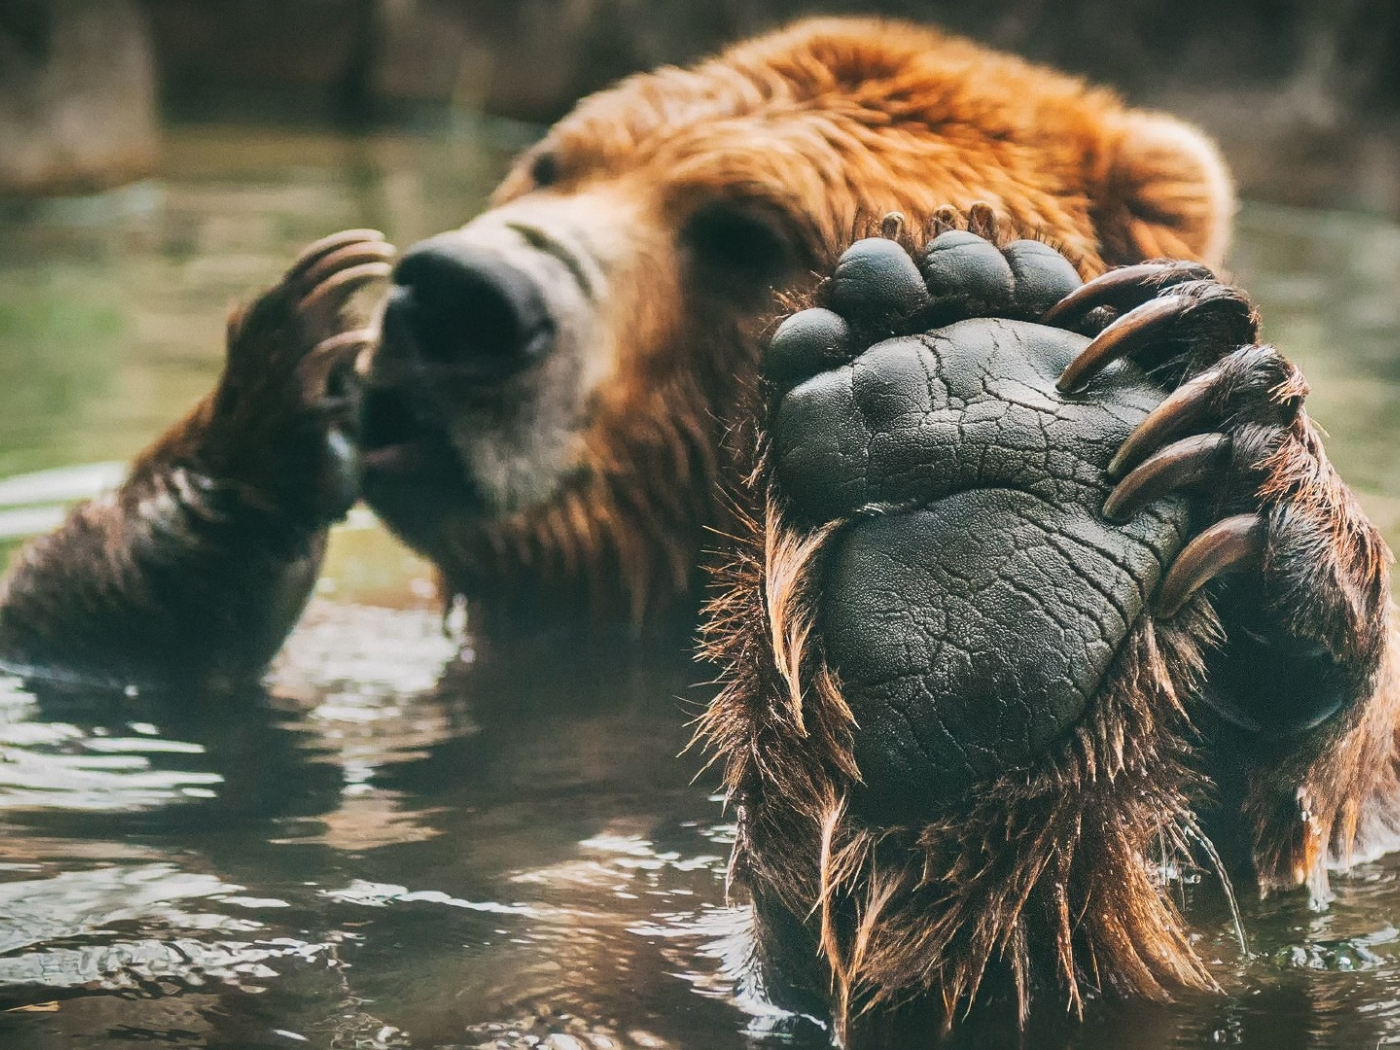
<point>1303,94</point>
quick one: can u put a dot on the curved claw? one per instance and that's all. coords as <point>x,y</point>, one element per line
<point>1120,339</point>
<point>944,219</point>
<point>1184,407</point>
<point>982,220</point>
<point>1231,545</point>
<point>343,284</point>
<point>343,258</point>
<point>333,345</point>
<point>892,225</point>
<point>317,250</point>
<point>1125,287</point>
<point>332,352</point>
<point>1186,462</point>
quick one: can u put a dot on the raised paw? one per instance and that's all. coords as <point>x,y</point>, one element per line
<point>973,596</point>
<point>966,651</point>
<point>1303,591</point>
<point>953,730</point>
<point>284,416</point>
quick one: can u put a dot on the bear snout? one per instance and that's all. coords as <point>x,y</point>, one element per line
<point>467,309</point>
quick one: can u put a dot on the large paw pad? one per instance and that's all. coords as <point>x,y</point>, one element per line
<point>975,595</point>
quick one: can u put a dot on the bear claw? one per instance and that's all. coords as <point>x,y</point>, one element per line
<point>331,295</point>
<point>336,276</point>
<point>1175,321</point>
<point>1182,464</point>
<point>318,250</point>
<point>341,259</point>
<point>1139,326</point>
<point>1123,289</point>
<point>1253,381</point>
<point>1235,544</point>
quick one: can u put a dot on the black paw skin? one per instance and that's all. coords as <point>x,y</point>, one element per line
<point>875,280</point>
<point>974,602</point>
<point>805,343</point>
<point>877,290</point>
<point>969,275</point>
<point>1043,277</point>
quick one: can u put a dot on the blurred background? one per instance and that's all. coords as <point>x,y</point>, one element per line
<point>1303,93</point>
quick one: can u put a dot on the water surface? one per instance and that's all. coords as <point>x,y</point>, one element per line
<point>412,840</point>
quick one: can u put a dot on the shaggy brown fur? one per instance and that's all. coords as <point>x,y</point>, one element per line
<point>1336,797</point>
<point>612,544</point>
<point>1048,878</point>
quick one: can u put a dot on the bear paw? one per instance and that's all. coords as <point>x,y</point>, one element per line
<point>953,728</point>
<point>1303,590</point>
<point>1012,537</point>
<point>972,596</point>
<point>282,423</point>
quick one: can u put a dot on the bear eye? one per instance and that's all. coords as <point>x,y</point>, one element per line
<point>732,240</point>
<point>544,170</point>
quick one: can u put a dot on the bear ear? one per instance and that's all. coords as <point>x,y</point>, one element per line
<point>1166,192</point>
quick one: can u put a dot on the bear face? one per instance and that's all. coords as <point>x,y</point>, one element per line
<point>546,411</point>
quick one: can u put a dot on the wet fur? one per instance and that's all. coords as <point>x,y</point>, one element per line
<point>1048,881</point>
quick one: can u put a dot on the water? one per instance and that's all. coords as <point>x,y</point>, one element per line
<point>414,841</point>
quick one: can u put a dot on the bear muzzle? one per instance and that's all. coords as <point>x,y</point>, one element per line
<point>473,401</point>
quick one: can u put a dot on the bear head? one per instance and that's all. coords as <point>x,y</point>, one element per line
<point>547,412</point>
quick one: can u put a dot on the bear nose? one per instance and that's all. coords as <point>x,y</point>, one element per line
<point>468,308</point>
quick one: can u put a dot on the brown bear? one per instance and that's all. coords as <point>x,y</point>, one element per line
<point>979,674</point>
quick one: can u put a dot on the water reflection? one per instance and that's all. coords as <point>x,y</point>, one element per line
<point>407,841</point>
<point>493,849</point>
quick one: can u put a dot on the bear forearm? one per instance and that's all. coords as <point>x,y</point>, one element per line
<point>195,570</point>
<point>181,575</point>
